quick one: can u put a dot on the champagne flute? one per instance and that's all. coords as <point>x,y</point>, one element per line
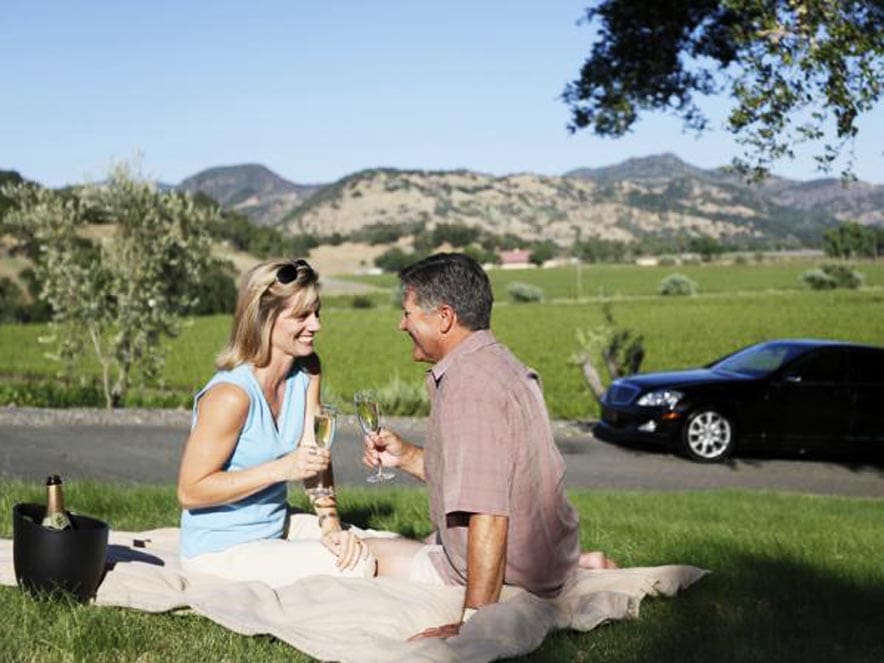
<point>324,435</point>
<point>369,416</point>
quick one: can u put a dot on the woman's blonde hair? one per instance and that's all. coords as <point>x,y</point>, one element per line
<point>265,290</point>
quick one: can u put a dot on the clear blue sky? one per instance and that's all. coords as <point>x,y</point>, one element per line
<point>316,90</point>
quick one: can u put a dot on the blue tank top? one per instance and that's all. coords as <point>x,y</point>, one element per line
<point>262,514</point>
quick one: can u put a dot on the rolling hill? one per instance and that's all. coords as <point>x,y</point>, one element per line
<point>250,189</point>
<point>658,196</point>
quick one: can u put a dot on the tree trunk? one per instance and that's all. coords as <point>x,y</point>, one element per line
<point>615,370</point>
<point>592,377</point>
<point>118,393</point>
<point>95,335</point>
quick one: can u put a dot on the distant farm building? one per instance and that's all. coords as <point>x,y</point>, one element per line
<point>515,259</point>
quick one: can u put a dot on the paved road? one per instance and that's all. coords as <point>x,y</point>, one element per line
<point>149,453</point>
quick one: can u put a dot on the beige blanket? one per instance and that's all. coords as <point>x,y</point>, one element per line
<point>365,620</point>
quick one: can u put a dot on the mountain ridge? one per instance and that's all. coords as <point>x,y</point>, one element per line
<point>660,166</point>
<point>630,199</point>
<point>660,197</point>
<point>251,189</point>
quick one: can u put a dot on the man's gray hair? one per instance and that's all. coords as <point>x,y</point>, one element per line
<point>454,279</point>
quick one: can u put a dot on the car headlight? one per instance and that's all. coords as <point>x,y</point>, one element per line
<point>662,398</point>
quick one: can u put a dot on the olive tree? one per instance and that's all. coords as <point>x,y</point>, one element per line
<point>797,70</point>
<point>118,295</point>
<point>621,351</point>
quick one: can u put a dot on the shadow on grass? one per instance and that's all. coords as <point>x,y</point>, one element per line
<point>398,509</point>
<point>753,609</point>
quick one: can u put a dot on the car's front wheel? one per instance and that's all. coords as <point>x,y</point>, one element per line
<point>708,435</point>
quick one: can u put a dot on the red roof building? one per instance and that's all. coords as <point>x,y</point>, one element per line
<point>517,258</point>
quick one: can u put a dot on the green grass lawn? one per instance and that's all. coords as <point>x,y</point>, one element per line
<point>794,579</point>
<point>361,348</point>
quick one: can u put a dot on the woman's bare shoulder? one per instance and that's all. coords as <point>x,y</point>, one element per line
<point>225,399</point>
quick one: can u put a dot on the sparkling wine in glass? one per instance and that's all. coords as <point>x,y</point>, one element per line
<point>369,416</point>
<point>324,426</point>
<point>324,434</point>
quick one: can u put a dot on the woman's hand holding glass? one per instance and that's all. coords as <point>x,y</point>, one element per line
<point>304,463</point>
<point>324,421</point>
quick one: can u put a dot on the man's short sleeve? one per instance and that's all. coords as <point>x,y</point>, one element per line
<point>478,469</point>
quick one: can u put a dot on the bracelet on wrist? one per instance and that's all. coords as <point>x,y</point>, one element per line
<point>323,501</point>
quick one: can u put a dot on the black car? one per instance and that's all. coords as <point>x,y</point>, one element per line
<point>796,393</point>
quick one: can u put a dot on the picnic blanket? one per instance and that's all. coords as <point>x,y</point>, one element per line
<point>367,620</point>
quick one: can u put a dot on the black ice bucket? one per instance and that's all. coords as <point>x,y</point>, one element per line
<point>47,561</point>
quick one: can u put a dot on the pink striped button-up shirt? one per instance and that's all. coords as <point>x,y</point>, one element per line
<point>489,449</point>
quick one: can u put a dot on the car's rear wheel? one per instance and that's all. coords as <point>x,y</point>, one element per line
<point>708,435</point>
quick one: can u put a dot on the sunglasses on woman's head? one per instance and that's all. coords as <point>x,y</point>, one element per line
<point>289,271</point>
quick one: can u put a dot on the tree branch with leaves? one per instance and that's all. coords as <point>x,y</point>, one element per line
<point>621,352</point>
<point>799,71</point>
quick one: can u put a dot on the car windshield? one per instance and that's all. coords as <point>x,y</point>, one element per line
<point>759,359</point>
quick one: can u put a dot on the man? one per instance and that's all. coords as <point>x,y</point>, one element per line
<point>495,476</point>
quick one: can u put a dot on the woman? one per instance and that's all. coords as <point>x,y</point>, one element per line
<point>251,433</point>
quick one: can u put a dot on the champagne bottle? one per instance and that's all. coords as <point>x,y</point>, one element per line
<point>56,517</point>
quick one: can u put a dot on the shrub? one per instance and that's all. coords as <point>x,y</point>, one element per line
<point>85,393</point>
<point>394,259</point>
<point>362,301</point>
<point>667,261</point>
<point>829,277</point>
<point>18,305</point>
<point>677,284</point>
<point>456,234</point>
<point>218,291</point>
<point>37,310</point>
<point>845,275</point>
<point>43,393</point>
<point>480,255</point>
<point>525,292</point>
<point>542,251</point>
<point>817,279</point>
<point>403,399</point>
